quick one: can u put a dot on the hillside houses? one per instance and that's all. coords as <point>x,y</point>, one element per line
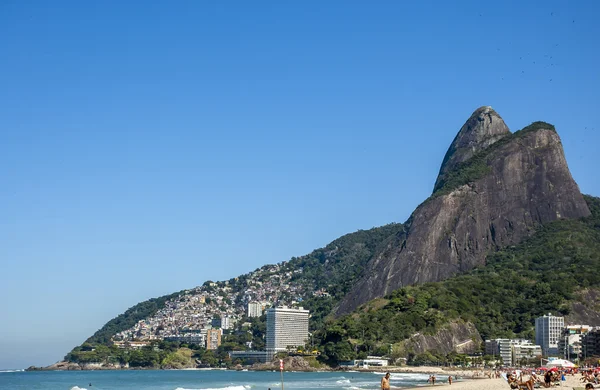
<point>219,305</point>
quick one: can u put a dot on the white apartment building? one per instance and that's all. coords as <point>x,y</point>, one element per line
<point>548,332</point>
<point>511,351</point>
<point>255,309</point>
<point>286,327</point>
<point>227,322</point>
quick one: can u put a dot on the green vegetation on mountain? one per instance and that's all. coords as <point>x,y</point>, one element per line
<point>502,298</point>
<point>173,354</point>
<point>478,166</point>
<point>159,354</point>
<point>336,267</point>
<point>542,274</point>
<point>126,320</point>
<point>333,268</point>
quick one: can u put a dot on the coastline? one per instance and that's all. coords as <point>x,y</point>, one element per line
<point>291,366</point>
<point>469,379</point>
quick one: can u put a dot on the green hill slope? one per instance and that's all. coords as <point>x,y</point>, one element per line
<point>129,318</point>
<point>334,268</point>
<point>543,274</point>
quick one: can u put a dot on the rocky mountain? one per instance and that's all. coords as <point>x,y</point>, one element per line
<point>505,215</point>
<point>481,130</point>
<point>554,270</point>
<point>493,190</point>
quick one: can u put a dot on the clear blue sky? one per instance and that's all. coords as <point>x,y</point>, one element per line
<point>146,147</point>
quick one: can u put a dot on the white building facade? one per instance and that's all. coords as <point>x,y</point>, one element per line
<point>255,309</point>
<point>286,327</point>
<point>512,351</point>
<point>227,322</point>
<point>548,332</point>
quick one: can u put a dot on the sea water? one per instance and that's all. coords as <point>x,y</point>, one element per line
<point>200,380</point>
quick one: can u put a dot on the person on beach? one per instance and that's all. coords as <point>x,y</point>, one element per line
<point>385,382</point>
<point>547,378</point>
<point>589,386</point>
<point>516,384</point>
<point>433,380</point>
<point>450,380</point>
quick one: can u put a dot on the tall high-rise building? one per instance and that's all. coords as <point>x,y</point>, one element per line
<point>286,327</point>
<point>548,331</point>
<point>213,338</point>
<point>255,309</point>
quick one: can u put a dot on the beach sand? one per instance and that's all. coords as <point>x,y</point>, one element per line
<point>498,384</point>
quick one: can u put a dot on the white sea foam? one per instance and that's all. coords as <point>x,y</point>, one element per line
<point>1,371</point>
<point>78,388</point>
<point>343,381</point>
<point>412,377</point>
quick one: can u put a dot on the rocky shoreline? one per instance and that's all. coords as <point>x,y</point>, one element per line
<point>296,364</point>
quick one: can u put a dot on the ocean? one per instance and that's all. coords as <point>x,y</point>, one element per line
<point>199,380</point>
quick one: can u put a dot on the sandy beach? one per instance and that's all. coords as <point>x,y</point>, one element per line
<point>495,384</point>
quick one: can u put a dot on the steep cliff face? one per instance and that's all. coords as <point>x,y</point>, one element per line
<point>586,309</point>
<point>481,130</point>
<point>457,336</point>
<point>489,195</point>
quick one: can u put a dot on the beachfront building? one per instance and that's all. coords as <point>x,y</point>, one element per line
<point>286,328</point>
<point>255,309</point>
<point>492,347</point>
<point>590,343</point>
<point>213,338</point>
<point>548,331</point>
<point>512,351</point>
<point>370,361</point>
<point>570,344</point>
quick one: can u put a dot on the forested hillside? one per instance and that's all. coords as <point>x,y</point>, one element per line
<point>333,268</point>
<point>543,274</point>
<point>129,318</point>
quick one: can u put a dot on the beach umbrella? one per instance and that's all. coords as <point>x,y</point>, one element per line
<point>560,363</point>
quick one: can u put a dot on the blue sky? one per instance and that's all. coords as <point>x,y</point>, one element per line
<point>148,147</point>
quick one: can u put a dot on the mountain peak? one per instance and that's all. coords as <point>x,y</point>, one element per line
<point>481,130</point>
<point>501,188</point>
